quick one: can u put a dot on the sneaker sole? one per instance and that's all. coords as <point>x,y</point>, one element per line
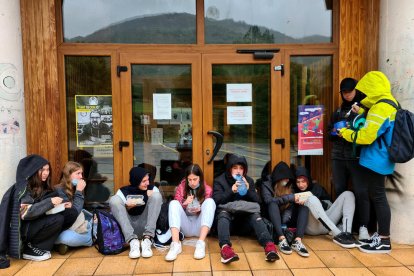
<point>345,245</point>
<point>233,259</point>
<point>375,251</point>
<point>36,258</point>
<point>272,257</point>
<point>286,252</point>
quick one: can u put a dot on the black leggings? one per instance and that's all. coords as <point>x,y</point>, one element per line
<point>299,219</point>
<point>342,172</point>
<point>42,232</point>
<point>376,191</point>
<point>227,222</point>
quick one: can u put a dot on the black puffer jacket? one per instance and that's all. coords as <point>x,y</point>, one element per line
<point>341,149</point>
<point>10,239</point>
<point>222,192</point>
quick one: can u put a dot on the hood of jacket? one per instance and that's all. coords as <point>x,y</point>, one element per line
<point>302,171</point>
<point>375,85</point>
<point>236,160</point>
<point>28,166</point>
<point>282,171</point>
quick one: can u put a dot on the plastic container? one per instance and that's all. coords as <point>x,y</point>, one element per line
<point>135,199</point>
<point>339,125</point>
<point>57,209</point>
<point>242,189</point>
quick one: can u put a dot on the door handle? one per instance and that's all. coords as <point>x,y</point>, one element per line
<point>217,146</point>
<point>280,141</point>
<point>123,144</point>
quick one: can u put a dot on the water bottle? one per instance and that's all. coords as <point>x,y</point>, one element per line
<point>242,189</point>
<point>75,181</point>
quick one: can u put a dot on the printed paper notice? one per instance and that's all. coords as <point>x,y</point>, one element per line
<point>239,92</point>
<point>239,115</point>
<point>162,106</point>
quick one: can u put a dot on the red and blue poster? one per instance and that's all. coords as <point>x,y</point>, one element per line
<point>310,130</point>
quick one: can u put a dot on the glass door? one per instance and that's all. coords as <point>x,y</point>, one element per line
<point>243,102</point>
<point>161,116</point>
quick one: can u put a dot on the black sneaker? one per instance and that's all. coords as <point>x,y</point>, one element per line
<point>284,247</point>
<point>346,240</point>
<point>370,240</point>
<point>35,254</point>
<point>299,247</point>
<point>377,245</point>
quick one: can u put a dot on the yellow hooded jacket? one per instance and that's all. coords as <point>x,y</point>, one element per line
<point>379,120</point>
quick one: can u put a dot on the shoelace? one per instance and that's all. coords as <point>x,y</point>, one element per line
<point>283,243</point>
<point>375,241</point>
<point>299,246</point>
<point>36,250</point>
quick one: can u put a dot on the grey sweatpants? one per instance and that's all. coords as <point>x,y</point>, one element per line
<point>134,227</point>
<point>343,207</point>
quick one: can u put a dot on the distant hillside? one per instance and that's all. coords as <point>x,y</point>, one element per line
<point>179,28</point>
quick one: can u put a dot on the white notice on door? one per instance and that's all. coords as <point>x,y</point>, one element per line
<point>162,106</point>
<point>239,115</point>
<point>239,92</point>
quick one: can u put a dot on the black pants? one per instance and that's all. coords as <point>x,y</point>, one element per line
<point>70,215</point>
<point>241,224</point>
<point>299,219</point>
<point>342,172</point>
<point>376,191</point>
<point>43,231</point>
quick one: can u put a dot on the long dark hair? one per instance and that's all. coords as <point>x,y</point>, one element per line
<point>200,191</point>
<point>37,187</point>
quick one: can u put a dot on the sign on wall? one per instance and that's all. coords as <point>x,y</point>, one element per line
<point>310,130</point>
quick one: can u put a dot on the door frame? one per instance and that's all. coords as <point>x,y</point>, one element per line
<point>128,59</point>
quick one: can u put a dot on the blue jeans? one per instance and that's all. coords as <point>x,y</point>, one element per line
<point>74,239</point>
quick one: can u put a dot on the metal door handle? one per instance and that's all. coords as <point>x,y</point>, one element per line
<point>123,144</point>
<point>217,146</point>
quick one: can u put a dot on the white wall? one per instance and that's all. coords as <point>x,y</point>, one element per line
<point>12,118</point>
<point>396,60</point>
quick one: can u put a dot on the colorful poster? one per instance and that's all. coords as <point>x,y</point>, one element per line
<point>93,120</point>
<point>310,130</point>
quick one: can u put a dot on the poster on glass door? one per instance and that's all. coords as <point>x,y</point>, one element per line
<point>310,130</point>
<point>93,120</point>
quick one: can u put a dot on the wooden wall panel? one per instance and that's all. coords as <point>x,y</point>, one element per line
<point>42,101</point>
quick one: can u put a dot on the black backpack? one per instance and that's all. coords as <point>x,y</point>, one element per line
<point>401,149</point>
<point>107,234</point>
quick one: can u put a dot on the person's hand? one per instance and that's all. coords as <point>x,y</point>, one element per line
<point>355,108</point>
<point>235,186</point>
<point>195,210</point>
<point>81,185</point>
<point>189,199</point>
<point>56,200</point>
<point>150,192</point>
<point>246,182</point>
<point>68,205</point>
<point>129,205</point>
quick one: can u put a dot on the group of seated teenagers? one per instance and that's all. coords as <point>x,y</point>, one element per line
<point>193,211</point>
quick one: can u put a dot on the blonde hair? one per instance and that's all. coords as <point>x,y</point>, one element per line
<point>65,181</point>
<point>281,190</point>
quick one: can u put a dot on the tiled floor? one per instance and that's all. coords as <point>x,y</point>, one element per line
<point>326,258</point>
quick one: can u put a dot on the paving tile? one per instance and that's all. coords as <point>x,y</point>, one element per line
<point>392,271</point>
<point>15,266</point>
<point>79,266</point>
<point>257,262</point>
<point>404,256</point>
<point>351,271</point>
<point>155,264</point>
<point>322,242</point>
<point>249,245</point>
<point>187,263</point>
<point>232,273</point>
<point>370,260</point>
<point>312,272</point>
<point>400,246</point>
<point>154,274</point>
<point>296,261</point>
<point>284,272</point>
<point>216,264</point>
<point>44,268</point>
<point>411,267</point>
<point>85,252</point>
<point>192,274</point>
<point>338,259</point>
<point>112,265</point>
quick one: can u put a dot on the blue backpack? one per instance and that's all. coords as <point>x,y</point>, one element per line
<point>401,149</point>
<point>107,234</point>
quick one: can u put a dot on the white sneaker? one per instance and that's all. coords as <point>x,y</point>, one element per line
<point>364,235</point>
<point>134,249</point>
<point>175,249</point>
<point>200,250</point>
<point>146,248</point>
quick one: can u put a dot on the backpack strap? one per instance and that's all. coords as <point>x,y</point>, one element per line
<point>388,101</point>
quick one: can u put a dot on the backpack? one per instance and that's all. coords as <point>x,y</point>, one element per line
<point>401,149</point>
<point>107,234</point>
<point>162,221</point>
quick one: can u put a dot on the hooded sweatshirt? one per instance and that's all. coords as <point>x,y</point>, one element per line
<point>136,174</point>
<point>222,192</point>
<point>281,171</point>
<point>379,121</point>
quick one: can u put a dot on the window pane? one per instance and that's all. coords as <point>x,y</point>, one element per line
<point>310,84</point>
<point>129,21</point>
<point>268,21</point>
<point>89,122</point>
